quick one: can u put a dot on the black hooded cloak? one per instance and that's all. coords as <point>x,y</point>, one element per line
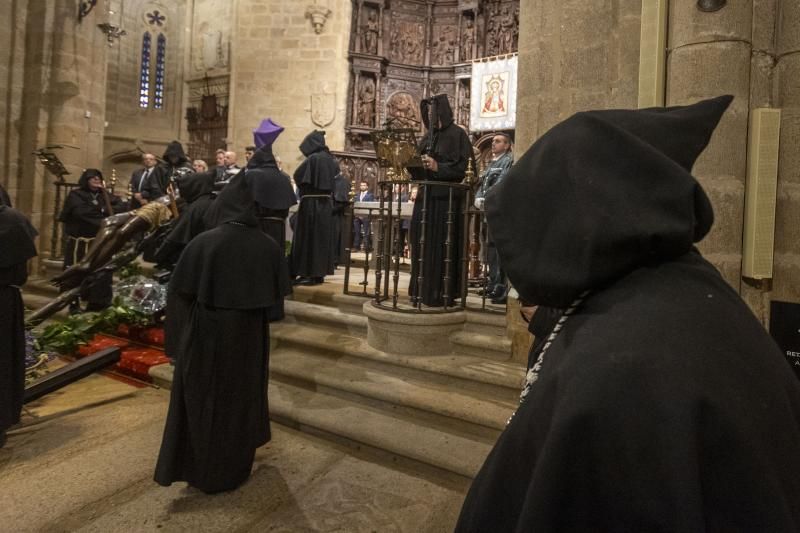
<point>451,149</point>
<point>217,333</point>
<point>341,198</point>
<point>82,214</point>
<point>311,255</point>
<point>196,193</point>
<point>274,196</point>
<point>175,165</point>
<point>17,245</point>
<point>661,404</point>
<point>273,193</point>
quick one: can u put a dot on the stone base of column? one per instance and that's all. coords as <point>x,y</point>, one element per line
<point>411,333</point>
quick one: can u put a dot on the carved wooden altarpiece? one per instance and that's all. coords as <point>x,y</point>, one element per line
<point>402,51</point>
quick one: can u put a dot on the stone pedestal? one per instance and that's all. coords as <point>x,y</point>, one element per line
<point>411,333</point>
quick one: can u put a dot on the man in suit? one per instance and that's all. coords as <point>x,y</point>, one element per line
<point>139,181</point>
<point>361,223</point>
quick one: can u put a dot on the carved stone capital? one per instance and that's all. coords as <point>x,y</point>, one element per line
<point>318,15</point>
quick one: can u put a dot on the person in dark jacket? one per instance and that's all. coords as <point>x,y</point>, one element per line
<point>217,332</point>
<point>311,257</point>
<point>17,243</point>
<point>83,213</point>
<point>658,402</point>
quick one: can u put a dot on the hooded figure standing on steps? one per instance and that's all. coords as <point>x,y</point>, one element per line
<point>658,402</point>
<point>312,257</point>
<point>218,334</point>
<point>446,151</point>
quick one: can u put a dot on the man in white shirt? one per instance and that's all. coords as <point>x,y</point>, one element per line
<point>139,181</point>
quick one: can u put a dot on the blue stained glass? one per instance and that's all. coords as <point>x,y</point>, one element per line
<point>144,72</point>
<point>161,57</point>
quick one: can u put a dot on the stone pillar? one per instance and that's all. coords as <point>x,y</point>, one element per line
<point>573,56</point>
<point>64,103</point>
<point>786,281</point>
<point>709,55</point>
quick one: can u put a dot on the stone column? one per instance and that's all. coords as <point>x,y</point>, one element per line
<point>709,55</point>
<point>68,71</point>
<point>573,56</point>
<point>787,228</point>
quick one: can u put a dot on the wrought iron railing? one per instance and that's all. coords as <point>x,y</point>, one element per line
<point>383,257</point>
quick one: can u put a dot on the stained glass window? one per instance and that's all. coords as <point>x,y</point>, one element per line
<point>144,72</point>
<point>161,51</point>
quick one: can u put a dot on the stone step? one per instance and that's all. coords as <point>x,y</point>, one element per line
<point>326,316</point>
<point>471,409</point>
<point>305,409</point>
<point>506,378</point>
<point>330,295</point>
<point>487,323</point>
<point>479,345</point>
<point>302,408</point>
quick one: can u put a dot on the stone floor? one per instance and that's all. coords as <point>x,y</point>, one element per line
<point>83,458</point>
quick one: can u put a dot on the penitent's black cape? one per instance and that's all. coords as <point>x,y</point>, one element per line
<point>341,198</point>
<point>274,196</point>
<point>662,405</point>
<point>313,233</point>
<point>196,192</point>
<point>452,150</point>
<point>16,247</point>
<point>218,335</point>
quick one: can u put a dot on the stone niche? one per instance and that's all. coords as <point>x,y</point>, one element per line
<point>406,50</point>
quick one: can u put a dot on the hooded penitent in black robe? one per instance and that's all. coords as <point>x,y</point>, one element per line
<point>274,196</point>
<point>311,248</point>
<point>661,405</point>
<point>217,333</point>
<point>341,198</point>
<point>196,193</point>
<point>17,246</point>
<point>82,214</point>
<point>452,151</point>
<point>175,165</point>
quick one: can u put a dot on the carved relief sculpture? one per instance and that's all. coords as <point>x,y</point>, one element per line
<point>467,40</point>
<point>463,109</point>
<point>369,33</point>
<point>366,102</point>
<point>506,32</point>
<point>407,41</point>
<point>403,110</point>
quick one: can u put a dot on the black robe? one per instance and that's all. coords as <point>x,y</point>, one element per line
<point>17,245</point>
<point>661,404</point>
<point>217,333</point>
<point>196,192</point>
<point>341,198</point>
<point>175,166</point>
<point>82,214</point>
<point>313,233</point>
<point>452,151</point>
<point>274,196</point>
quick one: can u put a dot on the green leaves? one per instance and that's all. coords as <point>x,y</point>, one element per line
<point>65,337</point>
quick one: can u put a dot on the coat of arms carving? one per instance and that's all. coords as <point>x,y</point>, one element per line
<point>323,108</point>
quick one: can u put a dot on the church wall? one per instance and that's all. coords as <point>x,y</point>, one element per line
<point>280,65</point>
<point>132,129</point>
<point>786,282</point>
<point>12,85</point>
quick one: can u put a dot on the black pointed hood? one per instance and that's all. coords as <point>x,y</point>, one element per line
<point>441,111</point>
<point>272,189</point>
<point>234,204</point>
<point>314,142</point>
<point>194,185</point>
<point>263,158</point>
<point>601,194</point>
<point>174,154</point>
